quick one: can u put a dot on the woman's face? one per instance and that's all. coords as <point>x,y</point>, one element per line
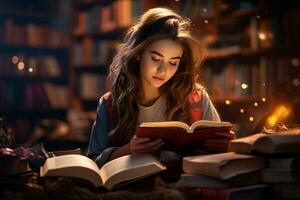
<point>159,62</point>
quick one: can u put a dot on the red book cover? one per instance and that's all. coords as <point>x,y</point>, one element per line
<point>181,136</point>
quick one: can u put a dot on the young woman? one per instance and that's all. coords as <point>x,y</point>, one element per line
<point>153,75</point>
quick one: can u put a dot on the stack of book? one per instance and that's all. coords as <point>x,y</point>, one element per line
<point>259,166</point>
<point>282,153</point>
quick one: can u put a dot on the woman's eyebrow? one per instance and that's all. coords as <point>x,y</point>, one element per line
<point>157,53</point>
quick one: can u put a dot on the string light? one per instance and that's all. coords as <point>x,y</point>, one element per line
<point>262,36</point>
<point>257,16</point>
<point>263,99</point>
<point>15,59</point>
<point>251,118</point>
<point>264,84</point>
<point>228,102</point>
<point>296,82</point>
<point>30,69</point>
<point>242,110</point>
<point>244,86</point>
<point>255,104</point>
<point>295,62</point>
<point>206,21</point>
<point>21,66</point>
<point>204,10</point>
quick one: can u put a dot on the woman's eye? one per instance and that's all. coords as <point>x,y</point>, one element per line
<point>155,59</point>
<point>173,64</point>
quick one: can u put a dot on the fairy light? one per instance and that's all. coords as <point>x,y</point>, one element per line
<point>15,59</point>
<point>242,110</point>
<point>257,16</point>
<point>206,21</point>
<point>262,36</point>
<point>255,104</point>
<point>228,102</point>
<point>264,84</point>
<point>296,82</point>
<point>244,86</point>
<point>251,118</point>
<point>295,62</point>
<point>263,99</point>
<point>30,69</point>
<point>204,10</point>
<point>21,66</point>
<point>280,113</point>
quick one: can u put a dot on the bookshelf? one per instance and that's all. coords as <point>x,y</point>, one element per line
<point>250,47</point>
<point>34,60</point>
<point>251,57</point>
<point>94,42</point>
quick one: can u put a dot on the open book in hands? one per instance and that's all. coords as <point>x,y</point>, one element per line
<point>181,136</point>
<point>113,174</point>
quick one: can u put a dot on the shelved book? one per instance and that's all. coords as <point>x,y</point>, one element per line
<point>275,143</point>
<point>180,135</point>
<point>113,174</point>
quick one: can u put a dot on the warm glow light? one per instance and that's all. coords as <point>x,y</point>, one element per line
<point>296,82</point>
<point>264,84</point>
<point>262,36</point>
<point>15,59</point>
<point>30,69</point>
<point>228,102</point>
<point>257,16</point>
<point>242,110</point>
<point>206,21</point>
<point>255,104</point>
<point>251,119</point>
<point>244,86</point>
<point>279,114</point>
<point>263,99</point>
<point>21,66</point>
<point>204,9</point>
<point>295,62</point>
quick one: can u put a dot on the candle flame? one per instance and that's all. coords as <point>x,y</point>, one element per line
<point>280,113</point>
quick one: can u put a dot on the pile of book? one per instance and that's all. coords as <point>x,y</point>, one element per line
<point>260,166</point>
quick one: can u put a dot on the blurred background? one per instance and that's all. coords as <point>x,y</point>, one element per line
<point>55,54</point>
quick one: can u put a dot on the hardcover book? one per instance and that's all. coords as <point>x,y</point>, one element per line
<point>113,174</point>
<point>180,135</point>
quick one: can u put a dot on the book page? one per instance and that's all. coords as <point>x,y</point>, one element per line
<point>166,124</point>
<point>77,166</point>
<point>244,144</point>
<point>208,124</point>
<point>128,168</point>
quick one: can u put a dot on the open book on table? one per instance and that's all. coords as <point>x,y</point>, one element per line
<point>180,135</point>
<point>111,175</point>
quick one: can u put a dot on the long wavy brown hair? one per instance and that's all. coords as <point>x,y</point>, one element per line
<point>124,75</point>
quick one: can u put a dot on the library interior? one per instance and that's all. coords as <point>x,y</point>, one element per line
<point>55,61</point>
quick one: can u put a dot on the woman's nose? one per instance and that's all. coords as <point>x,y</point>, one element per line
<point>162,68</point>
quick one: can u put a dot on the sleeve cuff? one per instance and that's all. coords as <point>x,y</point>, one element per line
<point>104,156</point>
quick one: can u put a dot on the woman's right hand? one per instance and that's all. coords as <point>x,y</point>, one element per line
<point>144,145</point>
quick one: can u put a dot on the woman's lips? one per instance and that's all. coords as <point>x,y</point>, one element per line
<point>158,78</point>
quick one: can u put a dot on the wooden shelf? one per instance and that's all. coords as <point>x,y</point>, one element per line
<point>33,113</point>
<point>82,5</point>
<point>110,35</point>
<point>239,100</point>
<point>280,50</point>
<point>30,50</point>
<point>25,15</point>
<point>91,69</point>
<point>32,79</point>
